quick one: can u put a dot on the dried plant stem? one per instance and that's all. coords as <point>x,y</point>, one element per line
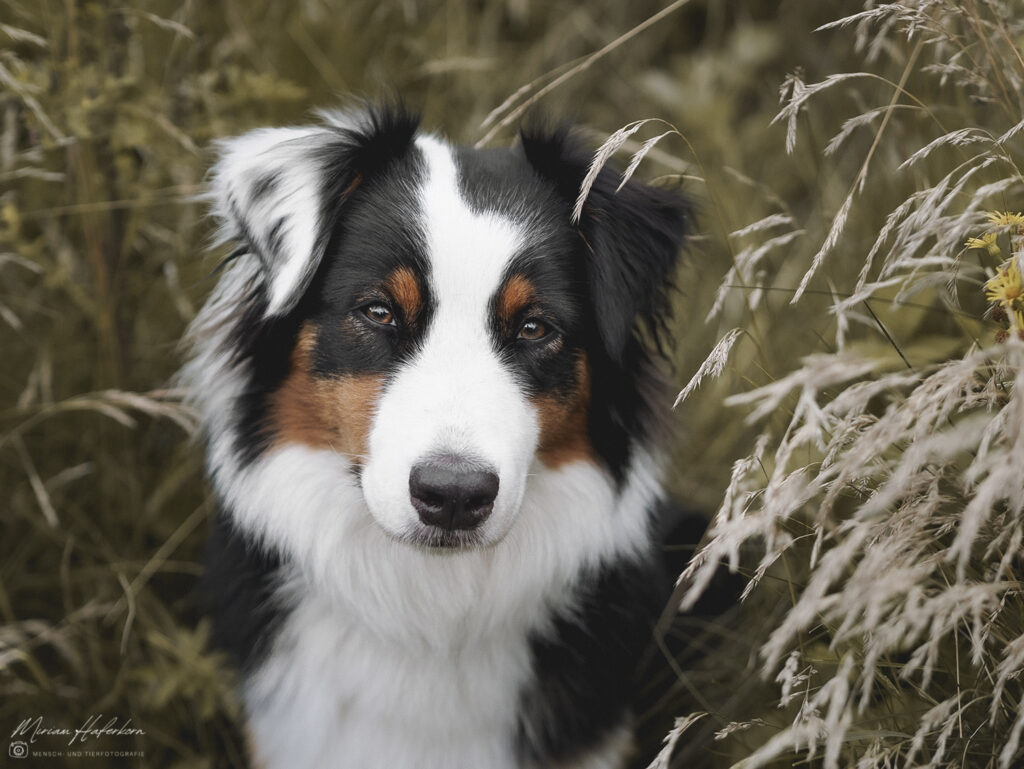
<point>514,114</point>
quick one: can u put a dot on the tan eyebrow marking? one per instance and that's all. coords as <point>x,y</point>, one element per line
<point>517,293</point>
<point>405,289</point>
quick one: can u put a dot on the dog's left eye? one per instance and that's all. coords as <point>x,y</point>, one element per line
<point>533,329</point>
<point>380,313</point>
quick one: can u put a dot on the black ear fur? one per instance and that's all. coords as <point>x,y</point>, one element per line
<point>373,138</point>
<point>279,191</point>
<point>633,235</point>
<point>367,143</point>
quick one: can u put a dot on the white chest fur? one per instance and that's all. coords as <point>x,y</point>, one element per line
<point>401,659</point>
<point>334,695</point>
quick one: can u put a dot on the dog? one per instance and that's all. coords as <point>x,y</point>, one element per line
<point>431,402</point>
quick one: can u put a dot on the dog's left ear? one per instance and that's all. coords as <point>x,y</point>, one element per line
<point>279,192</point>
<point>633,235</point>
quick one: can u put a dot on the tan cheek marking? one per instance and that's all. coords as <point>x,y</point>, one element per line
<point>335,413</point>
<point>516,295</point>
<point>564,437</point>
<point>403,286</point>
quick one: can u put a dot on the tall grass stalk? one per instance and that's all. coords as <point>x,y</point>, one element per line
<point>885,487</point>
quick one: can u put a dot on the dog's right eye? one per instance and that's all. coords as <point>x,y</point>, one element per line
<point>380,313</point>
<point>533,329</point>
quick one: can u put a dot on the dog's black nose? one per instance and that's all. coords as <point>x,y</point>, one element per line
<point>452,496</point>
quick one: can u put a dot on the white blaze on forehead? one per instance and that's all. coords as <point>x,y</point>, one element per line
<point>456,396</point>
<point>467,250</point>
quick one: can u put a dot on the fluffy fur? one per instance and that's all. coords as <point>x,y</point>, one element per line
<point>394,303</point>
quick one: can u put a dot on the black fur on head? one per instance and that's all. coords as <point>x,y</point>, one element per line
<point>376,137</point>
<point>633,235</point>
<point>632,239</point>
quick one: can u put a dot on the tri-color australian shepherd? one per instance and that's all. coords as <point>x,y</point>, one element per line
<point>430,400</point>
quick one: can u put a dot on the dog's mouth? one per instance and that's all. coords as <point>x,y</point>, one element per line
<point>432,538</point>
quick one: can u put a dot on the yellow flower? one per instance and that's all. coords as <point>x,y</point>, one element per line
<point>1006,288</point>
<point>1005,219</point>
<point>986,241</point>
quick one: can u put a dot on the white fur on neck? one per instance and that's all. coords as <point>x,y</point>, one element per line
<point>405,658</point>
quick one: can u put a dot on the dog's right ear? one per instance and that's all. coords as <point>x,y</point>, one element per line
<point>633,233</point>
<point>279,191</point>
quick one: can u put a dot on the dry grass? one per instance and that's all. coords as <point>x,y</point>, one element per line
<point>874,427</point>
<point>883,498</point>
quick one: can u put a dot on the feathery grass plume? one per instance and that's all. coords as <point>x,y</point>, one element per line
<point>661,761</point>
<point>603,154</point>
<point>883,500</point>
<point>639,155</point>
<point>609,147</point>
<point>712,366</point>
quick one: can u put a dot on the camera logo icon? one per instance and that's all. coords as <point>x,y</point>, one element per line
<point>18,749</point>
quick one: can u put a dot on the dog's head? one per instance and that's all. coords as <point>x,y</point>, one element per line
<point>429,318</point>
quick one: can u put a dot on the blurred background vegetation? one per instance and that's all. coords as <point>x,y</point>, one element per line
<point>107,113</point>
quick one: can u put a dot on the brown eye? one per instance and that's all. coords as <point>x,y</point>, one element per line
<point>533,329</point>
<point>380,313</point>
